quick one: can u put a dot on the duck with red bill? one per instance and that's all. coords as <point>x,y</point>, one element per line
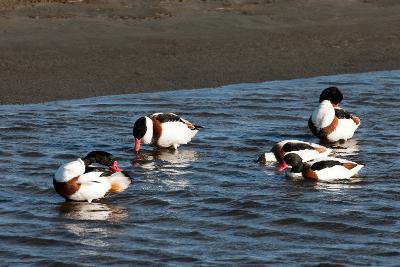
<point>164,130</point>
<point>78,180</point>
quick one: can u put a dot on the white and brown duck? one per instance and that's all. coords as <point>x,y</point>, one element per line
<point>79,181</point>
<point>329,121</point>
<point>163,130</point>
<point>306,151</point>
<point>322,169</point>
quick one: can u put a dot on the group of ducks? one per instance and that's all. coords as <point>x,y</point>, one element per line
<point>79,180</point>
<point>311,161</point>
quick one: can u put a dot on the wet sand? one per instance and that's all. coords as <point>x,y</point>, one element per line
<point>52,50</point>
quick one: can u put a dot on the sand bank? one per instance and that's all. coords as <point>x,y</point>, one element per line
<point>64,49</point>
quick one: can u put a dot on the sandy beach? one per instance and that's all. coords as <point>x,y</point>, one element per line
<point>51,50</point>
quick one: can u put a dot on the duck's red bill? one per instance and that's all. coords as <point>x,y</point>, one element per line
<point>114,167</point>
<point>137,144</point>
<point>283,166</point>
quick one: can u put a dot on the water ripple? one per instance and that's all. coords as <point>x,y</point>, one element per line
<point>208,203</point>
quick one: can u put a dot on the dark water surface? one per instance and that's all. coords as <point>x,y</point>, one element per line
<point>209,203</point>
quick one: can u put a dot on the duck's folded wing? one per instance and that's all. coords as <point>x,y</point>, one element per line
<point>165,117</point>
<point>91,177</point>
<point>342,114</point>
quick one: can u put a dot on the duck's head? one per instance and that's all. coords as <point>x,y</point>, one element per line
<point>331,94</point>
<point>103,158</point>
<point>142,130</point>
<point>294,160</point>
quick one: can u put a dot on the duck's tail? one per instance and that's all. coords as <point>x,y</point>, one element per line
<point>119,181</point>
<point>356,169</point>
<point>196,127</point>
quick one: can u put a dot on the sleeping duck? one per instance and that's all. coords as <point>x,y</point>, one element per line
<point>329,121</point>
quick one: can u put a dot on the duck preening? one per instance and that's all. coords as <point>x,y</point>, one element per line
<point>78,180</point>
<point>307,151</point>
<point>163,130</point>
<point>329,121</point>
<point>321,169</point>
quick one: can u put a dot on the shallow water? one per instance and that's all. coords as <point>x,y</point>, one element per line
<point>209,203</point>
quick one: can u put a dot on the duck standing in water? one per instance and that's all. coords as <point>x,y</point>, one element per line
<point>307,151</point>
<point>323,169</point>
<point>163,130</point>
<point>78,181</point>
<point>329,121</point>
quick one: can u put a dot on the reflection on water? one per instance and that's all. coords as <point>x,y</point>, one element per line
<point>81,220</point>
<point>177,158</point>
<point>352,183</point>
<point>88,235</point>
<point>173,164</point>
<point>209,203</point>
<point>345,149</point>
<point>165,160</point>
<point>91,211</point>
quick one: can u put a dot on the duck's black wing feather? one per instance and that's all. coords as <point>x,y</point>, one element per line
<point>166,117</point>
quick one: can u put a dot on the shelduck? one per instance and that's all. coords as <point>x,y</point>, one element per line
<point>163,130</point>
<point>322,169</point>
<point>79,181</point>
<point>307,151</point>
<point>329,121</point>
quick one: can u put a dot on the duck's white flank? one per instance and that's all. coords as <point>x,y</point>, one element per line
<point>336,172</point>
<point>344,130</point>
<point>175,133</point>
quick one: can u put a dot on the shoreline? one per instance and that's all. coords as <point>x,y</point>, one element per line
<point>54,51</point>
<point>190,89</point>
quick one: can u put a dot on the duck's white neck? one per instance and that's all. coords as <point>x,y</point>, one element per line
<point>148,137</point>
<point>270,157</point>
